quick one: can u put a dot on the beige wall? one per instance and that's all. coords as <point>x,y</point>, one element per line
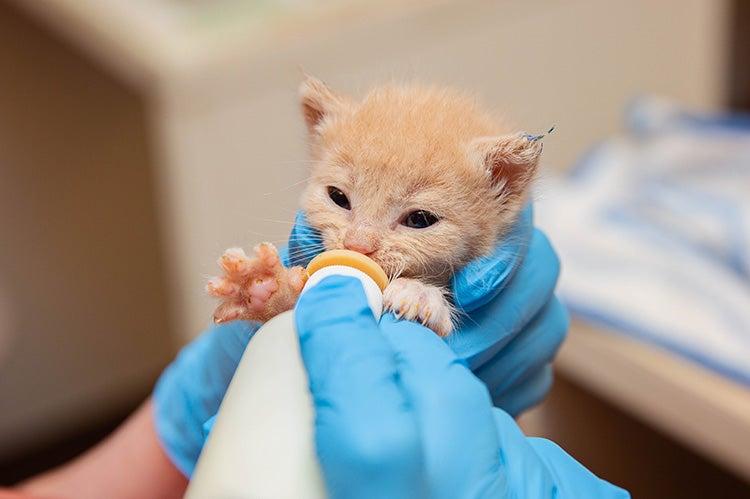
<point>85,325</point>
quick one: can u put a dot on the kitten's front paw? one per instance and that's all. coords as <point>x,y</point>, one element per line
<point>254,288</point>
<point>414,300</point>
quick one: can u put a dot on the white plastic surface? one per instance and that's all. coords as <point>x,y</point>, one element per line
<point>262,443</point>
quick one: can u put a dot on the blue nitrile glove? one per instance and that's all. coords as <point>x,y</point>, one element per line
<point>398,415</point>
<point>190,390</point>
<point>513,324</point>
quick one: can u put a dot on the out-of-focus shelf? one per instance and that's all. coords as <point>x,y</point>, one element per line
<point>148,42</point>
<point>703,410</point>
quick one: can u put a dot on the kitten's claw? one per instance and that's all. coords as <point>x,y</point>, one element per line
<point>229,311</point>
<point>254,288</point>
<point>414,300</point>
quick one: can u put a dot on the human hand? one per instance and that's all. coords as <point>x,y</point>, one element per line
<point>398,415</point>
<point>512,324</point>
<point>190,390</point>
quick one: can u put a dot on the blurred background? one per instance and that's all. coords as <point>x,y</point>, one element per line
<point>139,138</point>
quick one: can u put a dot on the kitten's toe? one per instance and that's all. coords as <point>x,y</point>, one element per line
<point>236,264</point>
<point>440,322</point>
<point>221,287</point>
<point>229,311</point>
<point>268,260</point>
<point>413,300</point>
<point>297,278</point>
<point>436,314</point>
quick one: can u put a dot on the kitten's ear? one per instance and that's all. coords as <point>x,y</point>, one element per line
<point>510,160</point>
<point>318,103</point>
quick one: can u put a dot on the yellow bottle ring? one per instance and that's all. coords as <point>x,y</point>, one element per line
<point>350,259</point>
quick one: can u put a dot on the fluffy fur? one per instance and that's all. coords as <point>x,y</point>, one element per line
<point>398,150</point>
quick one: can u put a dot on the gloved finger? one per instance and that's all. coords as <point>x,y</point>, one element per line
<point>366,436</point>
<point>483,279</point>
<point>531,349</point>
<point>491,327</point>
<point>528,393</point>
<point>453,410</point>
<point>536,467</point>
<point>304,243</point>
<point>571,479</point>
<point>526,475</point>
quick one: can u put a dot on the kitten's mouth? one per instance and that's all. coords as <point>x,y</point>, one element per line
<point>374,255</point>
<point>391,267</point>
<point>377,256</point>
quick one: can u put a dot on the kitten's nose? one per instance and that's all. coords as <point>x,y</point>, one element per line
<point>361,243</point>
<point>359,247</point>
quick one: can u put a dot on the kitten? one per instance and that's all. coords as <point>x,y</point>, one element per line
<point>417,178</point>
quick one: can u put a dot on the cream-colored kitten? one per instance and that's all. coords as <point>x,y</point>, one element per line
<point>417,178</point>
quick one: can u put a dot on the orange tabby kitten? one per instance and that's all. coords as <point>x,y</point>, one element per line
<point>417,178</point>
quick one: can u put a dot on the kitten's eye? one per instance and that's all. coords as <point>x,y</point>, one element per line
<point>339,197</point>
<point>420,219</point>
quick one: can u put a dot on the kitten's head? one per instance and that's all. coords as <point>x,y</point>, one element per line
<point>417,178</point>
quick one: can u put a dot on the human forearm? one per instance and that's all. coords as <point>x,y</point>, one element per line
<point>130,463</point>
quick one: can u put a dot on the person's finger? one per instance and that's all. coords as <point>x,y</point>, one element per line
<point>537,467</point>
<point>483,279</point>
<point>453,410</point>
<point>491,327</point>
<point>529,391</point>
<point>525,473</point>
<point>528,351</point>
<point>366,436</point>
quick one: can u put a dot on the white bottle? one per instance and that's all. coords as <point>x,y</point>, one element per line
<point>262,443</point>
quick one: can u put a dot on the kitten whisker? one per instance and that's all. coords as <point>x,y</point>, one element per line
<point>308,248</point>
<point>306,251</point>
<point>287,222</point>
<point>306,237</point>
<point>287,187</point>
<point>303,255</point>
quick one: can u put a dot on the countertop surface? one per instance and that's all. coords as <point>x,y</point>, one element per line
<point>703,410</point>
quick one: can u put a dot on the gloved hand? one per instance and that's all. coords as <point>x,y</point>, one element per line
<point>398,415</point>
<point>513,328</point>
<point>191,388</point>
<point>512,323</point>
